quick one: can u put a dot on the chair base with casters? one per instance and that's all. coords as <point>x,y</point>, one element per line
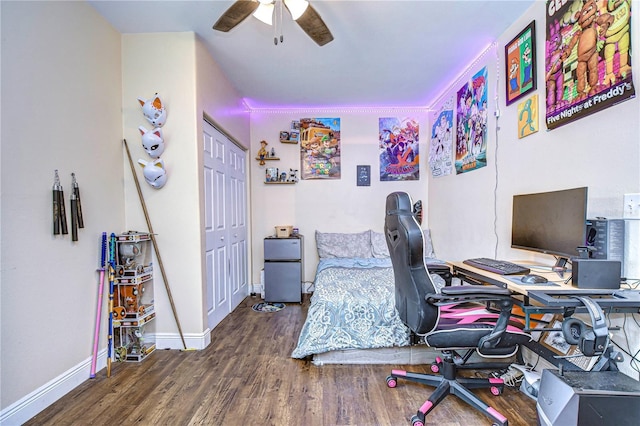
<point>449,383</point>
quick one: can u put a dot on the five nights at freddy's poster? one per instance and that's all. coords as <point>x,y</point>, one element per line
<point>587,58</point>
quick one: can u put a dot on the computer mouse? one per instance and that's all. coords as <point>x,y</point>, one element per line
<point>533,279</point>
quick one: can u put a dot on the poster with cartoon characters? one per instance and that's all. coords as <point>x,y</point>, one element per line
<point>471,119</point>
<point>398,140</point>
<point>520,64</point>
<point>320,148</point>
<point>588,58</point>
<point>528,117</point>
<point>441,146</point>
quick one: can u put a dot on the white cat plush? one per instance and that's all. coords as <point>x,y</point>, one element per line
<point>154,172</point>
<point>152,141</point>
<point>154,111</point>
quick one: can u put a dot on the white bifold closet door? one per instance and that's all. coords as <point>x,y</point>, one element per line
<point>225,230</point>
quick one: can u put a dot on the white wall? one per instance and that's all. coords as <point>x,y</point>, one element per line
<point>182,72</point>
<point>324,205</point>
<point>61,101</point>
<point>601,151</point>
<point>164,63</point>
<point>70,85</point>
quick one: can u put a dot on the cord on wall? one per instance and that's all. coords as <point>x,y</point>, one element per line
<point>495,161</point>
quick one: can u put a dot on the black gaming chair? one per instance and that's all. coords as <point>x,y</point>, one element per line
<point>451,320</point>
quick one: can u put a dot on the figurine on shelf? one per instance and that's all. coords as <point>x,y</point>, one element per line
<point>273,152</point>
<point>293,176</point>
<point>271,174</point>
<point>262,153</point>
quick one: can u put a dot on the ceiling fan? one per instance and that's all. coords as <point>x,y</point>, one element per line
<point>301,11</point>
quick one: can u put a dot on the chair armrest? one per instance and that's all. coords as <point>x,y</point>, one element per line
<point>469,293</point>
<point>475,289</point>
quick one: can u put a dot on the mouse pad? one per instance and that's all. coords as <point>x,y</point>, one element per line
<point>517,279</point>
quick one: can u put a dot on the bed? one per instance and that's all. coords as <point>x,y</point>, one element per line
<point>352,316</point>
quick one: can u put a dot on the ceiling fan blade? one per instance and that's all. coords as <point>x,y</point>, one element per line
<point>237,13</point>
<point>312,24</point>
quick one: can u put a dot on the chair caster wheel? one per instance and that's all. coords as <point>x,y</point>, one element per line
<point>415,421</point>
<point>392,382</point>
<point>435,367</point>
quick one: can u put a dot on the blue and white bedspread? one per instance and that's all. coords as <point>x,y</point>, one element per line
<point>352,307</point>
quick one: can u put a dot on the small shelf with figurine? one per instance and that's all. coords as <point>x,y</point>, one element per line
<point>290,136</point>
<point>274,176</point>
<point>264,155</point>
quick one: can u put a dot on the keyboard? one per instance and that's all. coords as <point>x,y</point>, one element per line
<point>501,267</point>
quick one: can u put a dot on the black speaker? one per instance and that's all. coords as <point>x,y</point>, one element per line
<point>606,238</point>
<point>586,398</point>
<point>596,273</point>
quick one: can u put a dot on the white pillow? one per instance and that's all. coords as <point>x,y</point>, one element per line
<point>343,244</point>
<point>428,245</point>
<point>379,247</point>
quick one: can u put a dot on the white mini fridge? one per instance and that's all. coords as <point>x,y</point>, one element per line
<point>283,269</point>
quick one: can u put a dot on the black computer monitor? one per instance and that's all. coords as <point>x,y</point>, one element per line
<point>550,222</point>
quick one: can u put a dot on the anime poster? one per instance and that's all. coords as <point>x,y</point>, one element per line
<point>320,148</point>
<point>528,117</point>
<point>588,58</point>
<point>441,147</point>
<point>399,155</point>
<point>471,119</point>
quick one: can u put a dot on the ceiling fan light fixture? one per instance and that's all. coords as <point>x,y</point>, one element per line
<point>296,7</point>
<point>264,12</point>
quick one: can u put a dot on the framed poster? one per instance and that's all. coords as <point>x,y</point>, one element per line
<point>364,175</point>
<point>520,64</point>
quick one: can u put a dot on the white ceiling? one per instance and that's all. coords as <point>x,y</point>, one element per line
<point>384,52</point>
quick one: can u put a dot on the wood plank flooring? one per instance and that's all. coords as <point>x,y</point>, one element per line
<point>247,377</point>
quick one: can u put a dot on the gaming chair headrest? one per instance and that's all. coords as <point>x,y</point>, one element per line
<point>399,201</point>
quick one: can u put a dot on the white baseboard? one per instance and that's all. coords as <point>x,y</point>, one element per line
<point>258,289</point>
<point>197,341</point>
<point>32,404</point>
<point>306,288</point>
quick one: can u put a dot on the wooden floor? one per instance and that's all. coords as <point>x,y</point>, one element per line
<point>246,377</point>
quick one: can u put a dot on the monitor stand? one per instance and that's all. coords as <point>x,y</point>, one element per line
<point>561,266</point>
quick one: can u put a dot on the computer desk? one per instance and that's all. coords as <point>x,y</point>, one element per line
<point>480,276</point>
<point>557,296</point>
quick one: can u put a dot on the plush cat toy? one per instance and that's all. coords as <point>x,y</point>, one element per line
<point>154,172</point>
<point>154,111</point>
<point>152,141</point>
